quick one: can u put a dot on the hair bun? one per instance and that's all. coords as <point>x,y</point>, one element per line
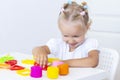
<point>84,3</point>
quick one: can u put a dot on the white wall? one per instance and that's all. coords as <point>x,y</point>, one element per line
<point>25,24</point>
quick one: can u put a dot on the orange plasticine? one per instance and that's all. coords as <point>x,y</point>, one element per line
<point>4,66</point>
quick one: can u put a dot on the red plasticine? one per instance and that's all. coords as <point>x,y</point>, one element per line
<point>11,62</point>
<point>43,68</point>
<point>16,67</point>
<point>36,64</point>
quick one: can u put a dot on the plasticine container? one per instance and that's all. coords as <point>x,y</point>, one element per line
<point>52,72</point>
<point>63,69</point>
<point>36,72</point>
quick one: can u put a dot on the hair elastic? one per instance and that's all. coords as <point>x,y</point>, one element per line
<point>69,1</point>
<point>82,13</point>
<point>62,9</point>
<point>85,7</point>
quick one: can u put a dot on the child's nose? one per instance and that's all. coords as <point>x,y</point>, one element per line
<point>70,41</point>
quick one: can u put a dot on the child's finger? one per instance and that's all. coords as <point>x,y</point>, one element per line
<point>45,61</point>
<point>41,61</point>
<point>35,57</point>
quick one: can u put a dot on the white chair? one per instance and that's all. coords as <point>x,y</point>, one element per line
<point>108,61</point>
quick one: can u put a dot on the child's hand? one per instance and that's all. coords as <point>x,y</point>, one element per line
<point>40,55</point>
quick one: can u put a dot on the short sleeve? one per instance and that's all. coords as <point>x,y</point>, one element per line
<point>53,45</point>
<point>92,44</point>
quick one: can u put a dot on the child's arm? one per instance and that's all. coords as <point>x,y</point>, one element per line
<point>90,61</point>
<point>40,54</point>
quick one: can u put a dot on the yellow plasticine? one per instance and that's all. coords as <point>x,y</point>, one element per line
<point>50,60</point>
<point>24,72</point>
<point>31,61</point>
<point>28,61</point>
<point>52,72</point>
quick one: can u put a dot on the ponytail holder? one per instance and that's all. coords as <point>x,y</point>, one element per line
<point>85,7</point>
<point>82,13</point>
<point>62,9</point>
<point>69,1</point>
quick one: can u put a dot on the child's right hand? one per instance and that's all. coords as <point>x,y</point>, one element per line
<point>40,55</point>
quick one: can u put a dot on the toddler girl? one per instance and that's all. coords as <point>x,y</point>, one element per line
<point>74,48</point>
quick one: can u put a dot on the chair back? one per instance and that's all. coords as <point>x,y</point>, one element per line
<point>108,61</point>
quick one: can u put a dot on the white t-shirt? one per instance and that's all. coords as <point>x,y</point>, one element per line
<point>60,49</point>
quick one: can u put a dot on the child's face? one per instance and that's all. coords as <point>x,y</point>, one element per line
<point>72,33</point>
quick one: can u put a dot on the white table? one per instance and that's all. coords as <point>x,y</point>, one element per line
<point>74,73</point>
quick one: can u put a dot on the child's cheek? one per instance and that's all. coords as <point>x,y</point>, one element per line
<point>65,39</point>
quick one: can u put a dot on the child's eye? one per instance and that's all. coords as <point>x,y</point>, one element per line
<point>76,36</point>
<point>65,35</point>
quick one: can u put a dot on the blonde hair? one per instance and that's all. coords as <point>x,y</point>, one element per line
<point>75,12</point>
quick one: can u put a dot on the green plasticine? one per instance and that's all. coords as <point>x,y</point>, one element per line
<point>6,58</point>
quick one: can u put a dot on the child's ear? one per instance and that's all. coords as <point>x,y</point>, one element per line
<point>89,23</point>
